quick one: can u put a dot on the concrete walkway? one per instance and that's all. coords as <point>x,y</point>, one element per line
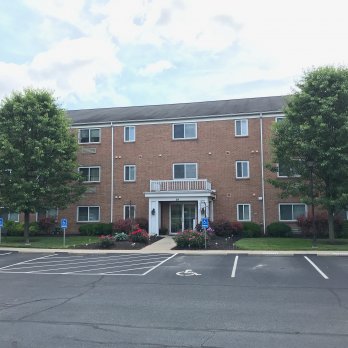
<point>166,244</point>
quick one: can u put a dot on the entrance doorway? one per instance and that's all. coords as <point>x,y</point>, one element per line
<point>182,216</point>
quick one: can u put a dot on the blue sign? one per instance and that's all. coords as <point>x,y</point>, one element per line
<point>64,223</point>
<point>1,222</point>
<point>205,222</point>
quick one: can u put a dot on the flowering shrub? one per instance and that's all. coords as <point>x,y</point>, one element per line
<point>121,236</point>
<point>190,239</point>
<point>139,236</point>
<point>123,225</point>
<point>106,242</point>
<point>225,228</point>
<point>48,225</point>
<point>321,224</point>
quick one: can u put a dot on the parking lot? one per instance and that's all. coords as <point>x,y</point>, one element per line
<point>163,300</point>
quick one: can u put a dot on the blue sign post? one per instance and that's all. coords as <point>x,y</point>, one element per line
<point>205,225</point>
<point>1,226</point>
<point>64,226</point>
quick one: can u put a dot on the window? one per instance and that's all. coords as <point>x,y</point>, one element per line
<point>291,211</point>
<point>241,128</point>
<point>185,131</point>
<point>89,135</point>
<point>129,172</point>
<point>280,119</point>
<point>13,217</point>
<point>284,171</point>
<point>129,211</point>
<point>243,212</point>
<point>185,171</point>
<point>90,174</point>
<point>129,134</point>
<point>242,169</point>
<point>88,214</point>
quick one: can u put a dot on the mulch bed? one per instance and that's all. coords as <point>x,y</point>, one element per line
<point>216,243</point>
<point>120,245</point>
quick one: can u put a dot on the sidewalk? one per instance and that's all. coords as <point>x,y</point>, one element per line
<point>166,244</point>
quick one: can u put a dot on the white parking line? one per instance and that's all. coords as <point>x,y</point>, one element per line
<point>161,263</point>
<point>6,254</point>
<point>107,265</point>
<point>20,263</point>
<point>316,268</point>
<point>233,275</point>
<point>87,263</point>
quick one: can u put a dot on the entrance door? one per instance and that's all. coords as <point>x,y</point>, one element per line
<point>182,216</point>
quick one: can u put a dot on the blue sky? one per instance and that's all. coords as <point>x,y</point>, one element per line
<point>104,53</point>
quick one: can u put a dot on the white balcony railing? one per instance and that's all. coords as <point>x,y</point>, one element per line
<point>180,185</point>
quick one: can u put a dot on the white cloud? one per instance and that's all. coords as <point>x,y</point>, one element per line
<point>155,68</point>
<point>72,68</point>
<point>92,50</point>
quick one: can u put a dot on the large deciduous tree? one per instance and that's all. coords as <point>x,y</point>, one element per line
<point>312,141</point>
<point>38,168</point>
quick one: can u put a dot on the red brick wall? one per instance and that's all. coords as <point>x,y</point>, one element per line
<point>215,150</point>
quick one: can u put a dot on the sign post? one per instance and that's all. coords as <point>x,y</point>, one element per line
<point>1,226</point>
<point>64,226</point>
<point>205,225</point>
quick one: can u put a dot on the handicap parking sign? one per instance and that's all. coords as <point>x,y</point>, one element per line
<point>64,223</point>
<point>1,222</point>
<point>205,222</point>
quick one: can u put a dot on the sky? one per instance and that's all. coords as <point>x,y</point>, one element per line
<point>106,53</point>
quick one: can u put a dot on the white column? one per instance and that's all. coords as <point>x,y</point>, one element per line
<point>153,216</point>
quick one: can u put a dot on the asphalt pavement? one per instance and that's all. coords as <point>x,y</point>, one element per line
<point>172,300</point>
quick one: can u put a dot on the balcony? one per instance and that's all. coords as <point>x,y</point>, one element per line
<point>179,185</point>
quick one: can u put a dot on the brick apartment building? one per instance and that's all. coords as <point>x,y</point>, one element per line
<point>173,164</point>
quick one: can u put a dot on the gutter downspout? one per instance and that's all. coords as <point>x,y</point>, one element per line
<point>112,174</point>
<point>262,177</point>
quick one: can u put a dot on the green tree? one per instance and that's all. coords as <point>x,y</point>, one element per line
<point>312,141</point>
<point>38,168</point>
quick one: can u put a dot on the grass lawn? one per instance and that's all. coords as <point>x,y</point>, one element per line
<point>47,241</point>
<point>290,244</point>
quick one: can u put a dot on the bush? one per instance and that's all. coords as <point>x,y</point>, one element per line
<point>344,232</point>
<point>47,225</point>
<point>251,230</point>
<point>123,225</point>
<point>121,236</point>
<point>14,228</point>
<point>139,236</point>
<point>142,222</point>
<point>106,242</point>
<point>278,229</point>
<point>34,228</point>
<point>190,239</point>
<point>95,229</point>
<point>321,225</point>
<point>225,228</point>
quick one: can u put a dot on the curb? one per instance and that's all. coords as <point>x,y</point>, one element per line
<point>184,252</point>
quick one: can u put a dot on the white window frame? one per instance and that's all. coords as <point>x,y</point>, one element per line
<point>286,176</point>
<point>12,213</point>
<point>248,166</point>
<point>279,118</point>
<point>292,204</point>
<point>125,206</point>
<point>124,172</point>
<point>244,205</point>
<point>87,206</point>
<point>184,124</point>
<point>184,164</point>
<point>89,173</point>
<point>124,134</point>
<point>241,128</point>
<point>89,136</point>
